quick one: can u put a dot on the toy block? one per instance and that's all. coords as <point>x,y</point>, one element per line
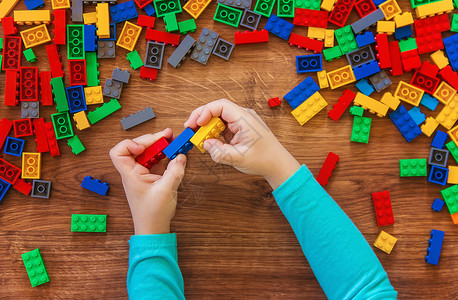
<point>366,70</point>
<point>364,7</point>
<point>345,39</point>
<point>30,109</point>
<point>450,49</point>
<point>60,29</point>
<point>444,93</point>
<point>417,116</point>
<point>425,82</point>
<point>35,267</point>
<point>432,25</point>
<point>438,157</point>
<point>309,63</point>
<point>403,32</point>
<point>60,4</point>
<point>403,19</point>
<point>408,44</point>
<point>40,134</point>
<point>62,125</point>
<point>341,77</point>
<point>138,118</point>
<point>75,97</point>
<point>90,38</point>
<point>142,3</point>
<point>438,203</point>
<point>11,88</point>
<point>385,242</point>
<point>171,23</point>
<point>429,102</point>
<point>4,186</point>
<point>60,97</point>
<point>75,45</point>
<point>135,60</point>
<point>52,141</point>
<point>112,35</point>
<point>364,39</point>
<point>328,37</point>
<point>103,111</point>
<point>410,60</point>
<point>196,7</point>
<point>242,4</point>
<point>383,50</point>
<point>106,49</point>
<point>22,127</point>
<point>274,102</point>
<point>251,37</point>
<point>395,58</point>
<point>81,121</point>
<point>120,75</point>
<point>211,130</point>
<point>361,129</point>
<point>448,115</point>
<point>6,6</point>
<point>364,87</point>
<point>429,126</point>
<point>368,21</point>
<point>127,10</point>
<point>31,165</point>
<point>434,247</point>
<point>264,7</point>
<point>41,189</point>
<point>204,46</point>
<point>322,79</point>
<point>146,21</point>
<point>112,89</point>
<point>409,93</point>
<point>306,43</point>
<point>77,11</point>
<point>11,53</point>
<point>180,145</point>
<point>387,27</point>
<point>435,8</point>
<point>154,54</point>
<point>187,26</point>
<point>439,140</point>
<point>35,17</point>
<point>279,27</point>
<point>5,128</point>
<point>341,12</point>
<point>450,197</point>
<point>179,55</point>
<point>153,154</point>
<point>75,143</point>
<point>390,9</point>
<point>360,56</point>
<point>28,83</point>
<point>54,61</point>
<point>327,5</point>
<point>149,9</point>
<point>326,170</point>
<point>309,4</point>
<point>90,18</point>
<point>228,15</point>
<point>29,55</point>
<point>77,71</point>
<point>9,172</point>
<point>14,146</point>
<point>301,92</point>
<point>431,43</point>
<point>309,108</point>
<point>89,223</point>
<point>310,18</point>
<point>415,3</point>
<point>380,81</point>
<point>223,49</point>
<point>383,209</point>
<point>129,36</point>
<point>8,26</point>
<point>285,9</point>
<point>412,167</point>
<point>454,218</point>
<point>163,37</point>
<point>103,21</point>
<point>453,149</point>
<point>452,176</point>
<point>22,186</point>
<point>95,185</point>
<point>34,4</point>
<point>164,7</point>
<point>341,105</point>
<point>250,19</point>
<point>429,68</point>
<point>405,124</point>
<point>454,25</point>
<point>447,75</point>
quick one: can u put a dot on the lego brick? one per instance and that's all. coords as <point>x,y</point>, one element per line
<point>163,37</point>
<point>60,97</point>
<point>187,26</point>
<point>309,108</point>
<point>425,82</point>
<point>103,20</point>
<point>390,9</point>
<point>179,55</point>
<point>387,27</point>
<point>356,111</point>
<point>196,7</point>
<point>450,198</point>
<point>92,73</point>
<point>211,130</point>
<point>431,43</point>
<point>326,170</point>
<point>22,127</point>
<point>112,88</point>
<point>28,84</point>
<point>31,165</point>
<point>412,167</point>
<point>429,68</point>
<point>403,19</point>
<point>361,129</point>
<point>341,77</point>
<point>430,9</point>
<point>438,175</point>
<point>34,4</point>
<point>35,36</point>
<point>5,128</point>
<point>250,19</point>
<point>29,55</point>
<point>380,81</point>
<point>11,52</point>
<point>301,92</point>
<point>9,172</point>
<point>310,18</point>
<point>449,114</point>
<point>22,186</point>
<point>14,146</point>
<point>127,10</point>
<point>395,58</point>
<point>4,186</point>
<point>112,33</point>
<point>75,44</point>
<point>309,63</point>
<point>129,36</point>
<point>120,75</point>
<point>164,7</point>
<point>40,135</point>
<point>306,43</point>
<point>204,46</point>
<point>35,17</point>
<point>429,102</point>
<point>385,242</point>
<point>454,25</point>
<point>451,49</point>
<point>35,267</point>
<point>366,70</point>
<point>138,118</point>
<point>54,59</point>
<point>154,54</point>
<point>30,109</point>
<point>364,87</point>
<point>77,72</point>
<point>103,111</point>
<point>453,149</point>
<point>341,12</point>
<point>106,49</point>
<point>332,53</point>
<point>223,49</point>
<point>60,29</point>
<point>434,247</point>
<point>149,9</point>
<point>251,37</point>
<point>180,145</point>
<point>285,9</point>
<point>89,223</point>
<point>146,21</point>
<point>8,26</point>
<point>417,116</point>
<point>409,93</point>
<point>408,44</point>
<point>170,21</point>
<point>383,51</point>
<point>264,7</point>
<point>52,141</point>
<point>76,99</point>
<point>77,10</point>
<point>368,21</point>
<point>405,124</point>
<point>364,7</point>
<point>41,189</point>
<point>135,60</point>
<point>309,4</point>
<point>62,125</point>
<point>328,37</point>
<point>322,79</point>
<point>274,102</point>
<point>279,27</point>
<point>153,154</point>
<point>447,75</point>
<point>432,25</point>
<point>438,157</point>
<point>60,4</point>
<point>444,93</point>
<point>364,39</point>
<point>75,143</point>
<point>403,32</point>
<point>327,5</point>
<point>90,38</point>
<point>142,3</point>
<point>383,209</point>
<point>429,126</point>
<point>90,18</point>
<point>452,177</point>
<point>11,88</point>
<point>341,105</point>
<point>95,185</point>
<point>81,121</point>
<point>360,56</point>
<point>242,4</point>
<point>228,15</point>
<point>438,203</point>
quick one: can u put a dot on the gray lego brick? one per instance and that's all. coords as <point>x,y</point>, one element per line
<point>367,21</point>
<point>106,49</point>
<point>120,75</point>
<point>204,46</point>
<point>243,4</point>
<point>438,157</point>
<point>154,54</point>
<point>184,48</point>
<point>111,2</point>
<point>77,10</point>
<point>112,88</point>
<point>223,49</point>
<point>250,19</point>
<point>30,109</point>
<point>380,81</point>
<point>136,119</point>
<point>41,189</point>
<point>360,56</point>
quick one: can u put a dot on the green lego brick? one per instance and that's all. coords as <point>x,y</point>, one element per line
<point>35,267</point>
<point>332,53</point>
<point>103,111</point>
<point>415,3</point>
<point>412,167</point>
<point>89,223</point>
<point>171,23</point>
<point>451,146</point>
<point>187,26</point>
<point>264,7</point>
<point>409,44</point>
<point>134,59</point>
<point>308,4</point>
<point>92,73</point>
<point>62,125</point>
<point>228,15</point>
<point>1,43</point>
<point>164,7</point>
<point>361,129</point>
<point>450,196</point>
<point>454,23</point>
<point>346,39</point>
<point>29,55</point>
<point>455,3</point>
<point>75,42</point>
<point>357,110</point>
<point>60,97</point>
<point>75,143</point>
<point>285,8</point>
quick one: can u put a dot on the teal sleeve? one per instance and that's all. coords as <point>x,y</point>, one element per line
<point>153,268</point>
<point>341,259</point>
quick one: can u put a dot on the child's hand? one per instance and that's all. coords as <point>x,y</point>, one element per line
<point>152,198</point>
<point>253,149</point>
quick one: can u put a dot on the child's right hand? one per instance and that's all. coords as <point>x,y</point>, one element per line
<point>253,149</point>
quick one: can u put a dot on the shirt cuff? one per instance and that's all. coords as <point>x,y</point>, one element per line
<point>303,174</point>
<point>153,240</point>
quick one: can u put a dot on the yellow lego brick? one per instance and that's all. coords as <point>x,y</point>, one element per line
<point>389,100</point>
<point>341,77</point>
<point>316,33</point>
<point>93,95</point>
<point>435,8</point>
<point>409,93</point>
<point>452,175</point>
<point>103,21</point>
<point>209,131</point>
<point>455,218</point>
<point>6,6</point>
<point>196,7</point>
<point>439,59</point>
<point>90,18</point>
<point>60,4</point>
<point>322,79</point>
<point>372,105</point>
<point>31,165</point>
<point>390,9</point>
<point>309,108</point>
<point>329,38</point>
<point>385,242</point>
<point>35,36</point>
<point>387,27</point>
<point>453,134</point>
<point>32,17</point>
<point>328,4</point>
<point>430,126</point>
<point>403,19</point>
<point>449,114</point>
<point>81,120</point>
<point>444,93</point>
<point>129,36</point>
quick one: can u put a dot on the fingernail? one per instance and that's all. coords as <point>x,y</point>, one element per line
<point>181,159</point>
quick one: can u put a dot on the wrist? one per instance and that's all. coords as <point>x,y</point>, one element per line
<point>153,228</point>
<point>282,169</point>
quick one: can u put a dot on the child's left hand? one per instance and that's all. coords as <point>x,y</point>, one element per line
<point>152,198</point>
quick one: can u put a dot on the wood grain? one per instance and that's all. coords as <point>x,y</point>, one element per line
<point>233,240</point>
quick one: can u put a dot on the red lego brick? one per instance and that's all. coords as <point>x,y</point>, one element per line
<point>274,102</point>
<point>9,172</point>
<point>427,83</point>
<point>410,60</point>
<point>395,57</point>
<point>305,42</point>
<point>146,21</point>
<point>22,186</point>
<point>11,88</point>
<point>310,17</point>
<point>383,209</point>
<point>40,134</point>
<point>341,105</point>
<point>11,53</point>
<point>327,168</point>
<point>449,76</point>
<point>28,84</point>
<point>364,7</point>
<point>54,61</point>
<point>46,89</point>
<point>77,71</point>
<point>153,154</point>
<point>429,68</point>
<point>429,43</point>
<point>383,50</point>
<point>142,3</point>
<point>251,37</point>
<point>148,73</point>
<point>162,36</point>
<point>432,25</point>
<point>52,141</point>
<point>22,127</point>
<point>60,27</point>
<point>8,26</point>
<point>5,127</point>
<point>341,11</point>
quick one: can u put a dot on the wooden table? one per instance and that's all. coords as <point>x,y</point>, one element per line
<point>233,240</point>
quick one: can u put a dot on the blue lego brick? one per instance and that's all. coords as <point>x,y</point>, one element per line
<point>33,4</point>
<point>123,11</point>
<point>112,33</point>
<point>378,2</point>
<point>439,140</point>
<point>4,186</point>
<point>180,145</point>
<point>149,9</point>
<point>451,47</point>
<point>437,204</point>
<point>417,116</point>
<point>403,32</point>
<point>90,38</point>
<point>14,146</point>
<point>434,247</point>
<point>309,63</point>
<point>429,101</point>
<point>365,39</point>
<point>301,92</point>
<point>405,124</point>
<point>438,175</point>
<point>364,87</point>
<point>279,27</point>
<point>366,70</point>
<point>95,185</point>
<point>76,99</point>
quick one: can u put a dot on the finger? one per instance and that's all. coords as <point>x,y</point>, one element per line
<point>148,139</point>
<point>222,153</point>
<point>174,173</point>
<point>122,155</point>
<point>227,110</point>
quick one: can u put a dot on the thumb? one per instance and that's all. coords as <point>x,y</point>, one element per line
<point>175,171</point>
<point>222,153</point>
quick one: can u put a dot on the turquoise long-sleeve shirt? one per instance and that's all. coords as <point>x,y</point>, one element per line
<point>341,259</point>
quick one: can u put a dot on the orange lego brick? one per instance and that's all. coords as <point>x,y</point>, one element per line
<point>309,108</point>
<point>454,218</point>
<point>389,100</point>
<point>372,105</point>
<point>444,93</point>
<point>408,93</point>
<point>35,36</point>
<point>196,7</point>
<point>430,126</point>
<point>31,165</point>
<point>60,4</point>
<point>93,95</point>
<point>341,77</point>
<point>385,242</point>
<point>390,9</point>
<point>32,17</point>
<point>435,8</point>
<point>81,120</point>
<point>103,21</point>
<point>448,116</point>
<point>440,59</point>
<point>209,131</point>
<point>322,79</point>
<point>129,36</point>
